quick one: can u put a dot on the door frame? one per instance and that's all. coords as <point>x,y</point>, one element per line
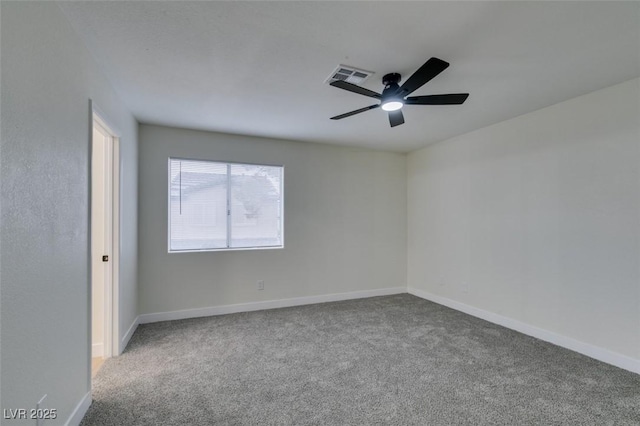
<point>111,345</point>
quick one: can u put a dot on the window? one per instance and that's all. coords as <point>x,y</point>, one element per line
<point>222,206</point>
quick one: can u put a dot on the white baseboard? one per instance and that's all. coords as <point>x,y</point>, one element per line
<point>81,409</point>
<point>97,349</point>
<point>269,304</point>
<point>596,352</point>
<point>127,336</point>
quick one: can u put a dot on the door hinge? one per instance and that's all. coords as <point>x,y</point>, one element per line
<point>105,258</point>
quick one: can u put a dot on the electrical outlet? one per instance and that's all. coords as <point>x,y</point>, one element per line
<point>441,282</point>
<point>465,288</point>
<point>260,284</point>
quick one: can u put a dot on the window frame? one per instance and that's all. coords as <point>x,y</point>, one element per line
<point>229,207</point>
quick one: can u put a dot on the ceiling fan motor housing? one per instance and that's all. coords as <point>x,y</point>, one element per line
<point>391,78</point>
<point>391,86</point>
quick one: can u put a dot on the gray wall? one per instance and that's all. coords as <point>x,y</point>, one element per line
<point>538,219</point>
<point>47,80</point>
<point>344,224</point>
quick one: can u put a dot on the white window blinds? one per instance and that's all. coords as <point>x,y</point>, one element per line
<point>214,205</point>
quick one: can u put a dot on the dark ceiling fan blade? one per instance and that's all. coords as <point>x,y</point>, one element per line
<point>355,89</point>
<point>426,72</point>
<point>396,118</point>
<point>449,99</point>
<point>358,111</point>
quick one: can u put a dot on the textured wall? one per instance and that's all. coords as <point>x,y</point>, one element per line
<point>47,80</point>
<point>538,218</point>
<point>344,224</point>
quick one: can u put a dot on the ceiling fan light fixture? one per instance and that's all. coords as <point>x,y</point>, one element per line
<point>392,105</point>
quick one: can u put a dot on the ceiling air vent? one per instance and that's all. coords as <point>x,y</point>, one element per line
<point>348,74</point>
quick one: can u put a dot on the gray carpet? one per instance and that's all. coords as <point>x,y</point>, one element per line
<point>396,360</point>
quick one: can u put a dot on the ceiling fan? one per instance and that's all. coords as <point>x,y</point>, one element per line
<point>394,97</point>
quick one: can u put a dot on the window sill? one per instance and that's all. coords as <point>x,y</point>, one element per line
<point>226,249</point>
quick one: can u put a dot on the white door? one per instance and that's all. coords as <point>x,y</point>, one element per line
<point>101,240</point>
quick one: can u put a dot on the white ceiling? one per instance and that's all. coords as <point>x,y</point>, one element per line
<point>258,68</point>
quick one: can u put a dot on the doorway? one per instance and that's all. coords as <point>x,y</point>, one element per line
<point>104,231</point>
